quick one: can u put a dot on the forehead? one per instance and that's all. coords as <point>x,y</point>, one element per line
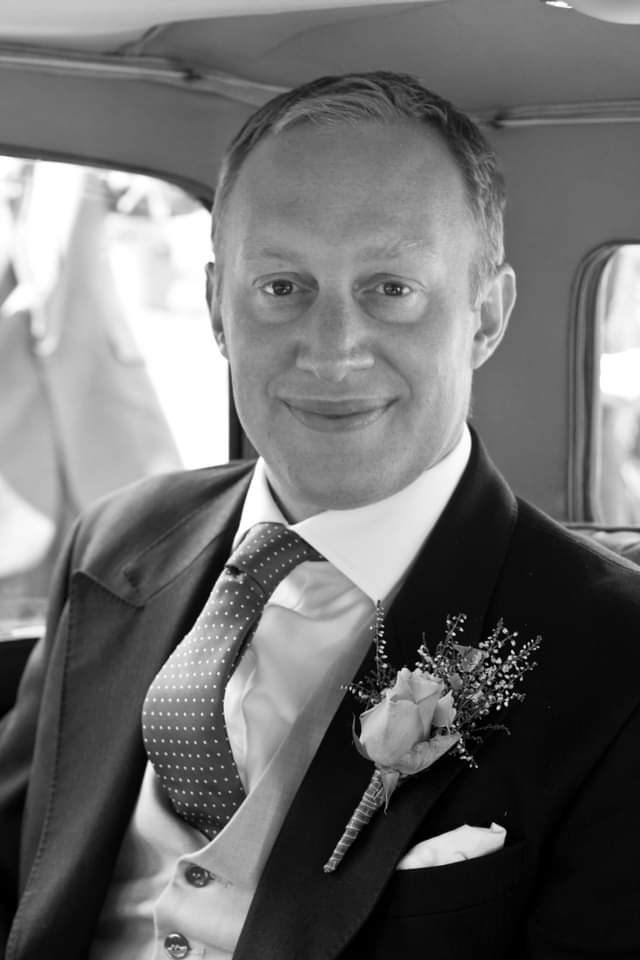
<point>395,179</point>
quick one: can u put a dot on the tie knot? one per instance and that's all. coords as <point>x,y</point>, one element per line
<point>269,552</point>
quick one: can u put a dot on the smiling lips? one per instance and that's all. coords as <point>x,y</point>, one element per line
<point>337,415</point>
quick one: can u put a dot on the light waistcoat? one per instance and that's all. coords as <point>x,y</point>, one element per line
<point>312,637</point>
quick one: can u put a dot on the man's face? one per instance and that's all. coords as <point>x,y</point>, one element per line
<point>342,298</point>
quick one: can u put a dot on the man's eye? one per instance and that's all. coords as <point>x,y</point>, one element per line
<point>279,288</point>
<point>393,288</point>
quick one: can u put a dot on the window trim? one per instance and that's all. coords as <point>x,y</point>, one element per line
<point>202,192</point>
<point>583,382</point>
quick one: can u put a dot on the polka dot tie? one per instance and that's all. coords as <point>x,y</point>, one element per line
<point>182,718</point>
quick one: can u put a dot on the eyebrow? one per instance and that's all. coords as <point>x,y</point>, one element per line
<point>395,249</point>
<point>381,251</point>
<point>252,252</point>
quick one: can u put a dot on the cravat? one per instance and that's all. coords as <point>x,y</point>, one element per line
<point>182,717</point>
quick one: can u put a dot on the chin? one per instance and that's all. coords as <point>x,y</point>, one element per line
<point>344,495</point>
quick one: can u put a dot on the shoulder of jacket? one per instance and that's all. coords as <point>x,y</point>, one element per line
<point>571,564</point>
<point>157,503</point>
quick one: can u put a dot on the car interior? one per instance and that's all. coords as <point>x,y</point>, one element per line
<point>113,122</point>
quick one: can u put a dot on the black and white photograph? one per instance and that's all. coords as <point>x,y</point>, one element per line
<point>320,480</point>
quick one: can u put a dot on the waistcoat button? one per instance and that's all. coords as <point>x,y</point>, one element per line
<point>197,876</point>
<point>176,946</point>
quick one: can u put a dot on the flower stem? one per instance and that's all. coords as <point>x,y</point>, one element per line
<point>372,800</point>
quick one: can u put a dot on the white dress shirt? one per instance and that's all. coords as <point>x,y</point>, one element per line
<point>314,631</point>
<point>316,607</point>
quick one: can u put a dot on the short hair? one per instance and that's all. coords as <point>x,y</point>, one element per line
<point>382,97</point>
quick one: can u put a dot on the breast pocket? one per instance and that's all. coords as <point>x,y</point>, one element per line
<point>454,886</point>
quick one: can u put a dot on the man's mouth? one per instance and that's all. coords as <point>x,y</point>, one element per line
<point>337,416</point>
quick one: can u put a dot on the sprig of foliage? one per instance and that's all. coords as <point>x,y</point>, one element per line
<point>371,690</point>
<point>481,679</point>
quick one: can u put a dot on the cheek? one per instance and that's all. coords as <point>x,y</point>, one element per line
<point>438,373</point>
<point>248,334</point>
<point>239,335</point>
<point>256,363</point>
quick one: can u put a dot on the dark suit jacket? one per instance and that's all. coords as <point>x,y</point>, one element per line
<point>565,783</point>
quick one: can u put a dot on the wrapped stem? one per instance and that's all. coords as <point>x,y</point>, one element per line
<point>372,799</point>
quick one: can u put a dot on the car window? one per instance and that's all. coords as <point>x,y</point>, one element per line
<point>108,369</point>
<point>616,498</point>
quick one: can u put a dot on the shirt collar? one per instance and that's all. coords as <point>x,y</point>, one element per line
<point>374,545</point>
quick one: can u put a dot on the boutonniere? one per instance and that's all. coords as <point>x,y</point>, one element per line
<point>413,717</point>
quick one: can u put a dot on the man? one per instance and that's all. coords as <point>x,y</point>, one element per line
<point>358,283</point>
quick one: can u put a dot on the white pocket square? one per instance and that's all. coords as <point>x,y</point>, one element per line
<point>464,843</point>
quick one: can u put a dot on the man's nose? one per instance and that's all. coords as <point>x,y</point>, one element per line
<point>336,339</point>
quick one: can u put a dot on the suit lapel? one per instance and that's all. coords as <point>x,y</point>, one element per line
<point>298,910</point>
<point>122,624</point>
<point>459,567</point>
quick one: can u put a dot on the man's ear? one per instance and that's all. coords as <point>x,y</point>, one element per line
<point>496,300</point>
<point>214,304</point>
